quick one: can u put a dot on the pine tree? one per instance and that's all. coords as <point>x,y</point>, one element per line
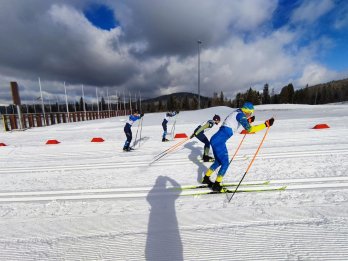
<point>221,99</point>
<point>266,99</point>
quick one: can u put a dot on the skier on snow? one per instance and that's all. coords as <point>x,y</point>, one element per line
<point>219,139</point>
<point>199,134</point>
<point>127,129</point>
<point>164,123</point>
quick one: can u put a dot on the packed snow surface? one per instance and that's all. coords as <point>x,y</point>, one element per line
<point>81,200</point>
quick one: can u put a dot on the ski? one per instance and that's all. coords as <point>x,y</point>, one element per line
<point>261,189</point>
<point>261,183</point>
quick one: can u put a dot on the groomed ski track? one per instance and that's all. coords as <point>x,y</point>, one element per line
<point>171,159</point>
<point>83,201</point>
<point>119,193</point>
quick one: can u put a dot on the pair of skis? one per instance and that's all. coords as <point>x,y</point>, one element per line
<point>261,186</point>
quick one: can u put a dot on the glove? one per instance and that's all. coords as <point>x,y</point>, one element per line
<point>141,115</point>
<point>251,119</point>
<point>192,136</point>
<point>269,122</point>
<point>177,112</point>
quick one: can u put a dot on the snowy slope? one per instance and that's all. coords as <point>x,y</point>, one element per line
<point>80,200</point>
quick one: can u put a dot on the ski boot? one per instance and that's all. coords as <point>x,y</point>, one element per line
<point>207,158</point>
<point>164,140</point>
<point>126,149</point>
<point>206,180</point>
<point>217,187</point>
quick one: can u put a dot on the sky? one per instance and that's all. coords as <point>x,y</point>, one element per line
<point>150,48</point>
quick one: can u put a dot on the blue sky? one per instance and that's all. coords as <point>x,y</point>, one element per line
<point>101,16</point>
<point>151,46</point>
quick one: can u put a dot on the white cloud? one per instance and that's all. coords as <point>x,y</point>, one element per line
<point>315,74</point>
<point>311,10</point>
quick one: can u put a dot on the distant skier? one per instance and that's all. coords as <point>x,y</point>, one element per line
<point>219,139</point>
<point>164,123</point>
<point>127,128</point>
<point>199,134</point>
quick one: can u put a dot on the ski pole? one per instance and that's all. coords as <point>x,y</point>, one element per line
<point>173,128</point>
<point>169,150</point>
<point>240,144</point>
<point>141,129</point>
<point>235,153</point>
<point>172,147</point>
<point>252,161</point>
<point>136,135</point>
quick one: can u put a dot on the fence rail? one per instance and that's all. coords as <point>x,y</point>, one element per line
<point>31,120</point>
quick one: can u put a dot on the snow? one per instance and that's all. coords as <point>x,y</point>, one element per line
<point>80,200</point>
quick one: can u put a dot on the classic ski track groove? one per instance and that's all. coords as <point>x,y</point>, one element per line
<point>92,194</point>
<point>165,161</point>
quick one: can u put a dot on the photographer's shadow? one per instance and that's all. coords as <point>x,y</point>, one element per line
<point>163,237</point>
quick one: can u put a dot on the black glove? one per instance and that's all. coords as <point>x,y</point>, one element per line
<point>192,136</point>
<point>141,115</point>
<point>177,112</point>
<point>269,122</point>
<point>251,119</point>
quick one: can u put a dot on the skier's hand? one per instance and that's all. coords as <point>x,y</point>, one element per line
<point>141,115</point>
<point>269,122</point>
<point>251,119</point>
<point>192,136</point>
<point>177,112</point>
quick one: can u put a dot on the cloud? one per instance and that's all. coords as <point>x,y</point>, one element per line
<point>311,10</point>
<point>315,74</point>
<point>154,47</point>
<point>173,27</point>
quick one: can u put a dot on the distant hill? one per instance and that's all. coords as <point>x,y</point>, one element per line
<point>175,101</point>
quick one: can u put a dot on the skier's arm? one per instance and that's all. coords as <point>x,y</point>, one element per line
<point>171,114</point>
<point>246,125</point>
<point>202,128</point>
<point>134,118</point>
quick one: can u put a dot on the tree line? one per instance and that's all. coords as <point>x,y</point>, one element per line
<point>331,92</point>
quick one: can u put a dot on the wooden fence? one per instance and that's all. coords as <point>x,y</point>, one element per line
<point>31,120</point>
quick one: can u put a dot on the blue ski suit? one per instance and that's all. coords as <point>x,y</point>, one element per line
<point>219,139</point>
<point>165,121</point>
<point>128,131</point>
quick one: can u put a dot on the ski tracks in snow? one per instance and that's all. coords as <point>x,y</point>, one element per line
<point>140,192</point>
<point>169,160</point>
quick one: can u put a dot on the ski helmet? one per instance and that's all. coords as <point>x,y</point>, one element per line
<point>248,107</point>
<point>216,117</point>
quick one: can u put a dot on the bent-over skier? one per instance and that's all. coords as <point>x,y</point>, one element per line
<point>164,123</point>
<point>218,142</point>
<point>127,128</point>
<point>199,134</point>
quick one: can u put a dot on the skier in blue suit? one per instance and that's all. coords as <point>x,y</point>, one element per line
<point>233,121</point>
<point>127,129</point>
<point>164,124</point>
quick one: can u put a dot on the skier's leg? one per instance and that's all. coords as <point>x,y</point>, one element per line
<point>128,132</point>
<point>164,126</point>
<point>206,142</point>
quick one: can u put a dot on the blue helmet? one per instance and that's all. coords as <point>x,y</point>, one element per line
<point>248,107</point>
